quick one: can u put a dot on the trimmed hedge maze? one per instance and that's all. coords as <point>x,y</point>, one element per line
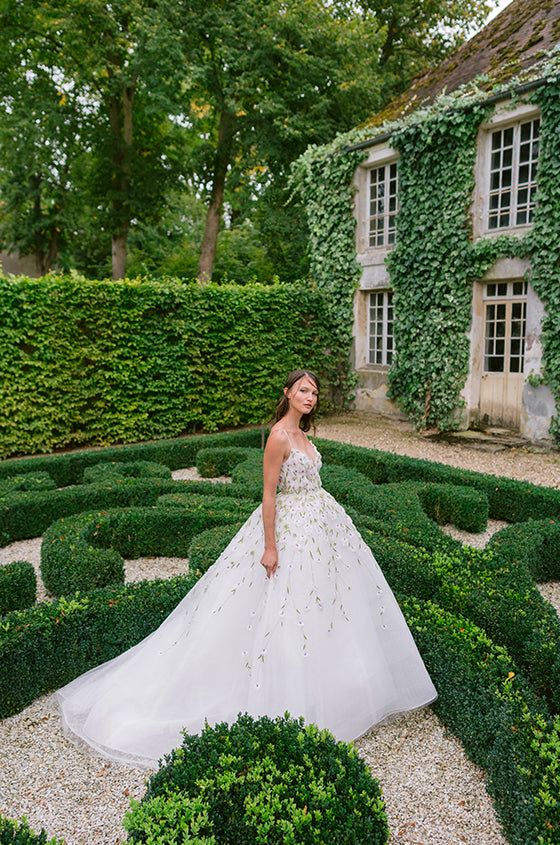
<point>490,641</point>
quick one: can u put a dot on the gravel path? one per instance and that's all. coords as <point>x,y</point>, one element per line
<point>434,794</point>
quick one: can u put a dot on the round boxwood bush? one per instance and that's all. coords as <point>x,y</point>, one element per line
<point>269,781</point>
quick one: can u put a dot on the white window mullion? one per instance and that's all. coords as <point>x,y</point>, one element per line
<point>513,175</point>
<point>383,205</point>
<point>380,328</point>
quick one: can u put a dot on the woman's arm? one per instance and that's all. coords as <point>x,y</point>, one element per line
<point>276,451</point>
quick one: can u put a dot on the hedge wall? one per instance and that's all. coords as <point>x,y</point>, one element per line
<point>87,362</point>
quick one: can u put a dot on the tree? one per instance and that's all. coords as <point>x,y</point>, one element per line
<point>38,167</point>
<point>269,77</point>
<point>121,62</point>
<point>418,34</point>
<point>265,80</point>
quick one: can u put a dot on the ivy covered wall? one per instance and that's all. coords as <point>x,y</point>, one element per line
<point>435,261</point>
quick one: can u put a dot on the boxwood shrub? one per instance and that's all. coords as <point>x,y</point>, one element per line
<point>508,499</point>
<point>86,551</point>
<point>175,453</point>
<point>484,586</point>
<point>502,724</point>
<point>19,833</point>
<point>70,561</point>
<point>220,460</point>
<point>31,481</point>
<point>124,469</point>
<point>534,545</point>
<point>207,546</point>
<point>18,586</point>
<point>26,515</point>
<point>269,781</point>
<point>48,645</point>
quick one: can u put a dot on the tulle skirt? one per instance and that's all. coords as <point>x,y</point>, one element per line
<point>324,638</point>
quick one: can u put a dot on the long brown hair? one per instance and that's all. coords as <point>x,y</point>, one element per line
<point>308,420</point>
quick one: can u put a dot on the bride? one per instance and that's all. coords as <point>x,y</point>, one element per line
<point>295,615</point>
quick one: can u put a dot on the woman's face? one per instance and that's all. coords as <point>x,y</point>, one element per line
<point>303,395</point>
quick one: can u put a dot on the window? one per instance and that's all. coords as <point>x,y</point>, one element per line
<point>514,153</point>
<point>380,328</point>
<point>505,311</point>
<point>383,187</point>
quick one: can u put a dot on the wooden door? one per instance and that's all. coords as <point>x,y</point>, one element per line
<point>505,318</point>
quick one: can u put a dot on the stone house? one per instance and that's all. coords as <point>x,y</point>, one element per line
<point>501,68</point>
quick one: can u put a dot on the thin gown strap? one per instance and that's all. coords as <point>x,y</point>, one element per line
<point>289,438</point>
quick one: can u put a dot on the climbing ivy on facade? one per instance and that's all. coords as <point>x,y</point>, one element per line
<point>435,262</point>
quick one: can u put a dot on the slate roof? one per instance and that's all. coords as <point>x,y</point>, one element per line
<point>510,44</point>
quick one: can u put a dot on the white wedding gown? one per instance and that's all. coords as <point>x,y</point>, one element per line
<point>324,638</point>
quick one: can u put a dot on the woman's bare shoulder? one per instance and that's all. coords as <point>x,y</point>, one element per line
<point>278,440</point>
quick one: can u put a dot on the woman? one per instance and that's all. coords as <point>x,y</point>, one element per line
<point>295,616</point>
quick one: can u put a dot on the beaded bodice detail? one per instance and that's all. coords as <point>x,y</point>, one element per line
<point>300,474</point>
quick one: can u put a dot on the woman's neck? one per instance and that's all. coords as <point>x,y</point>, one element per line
<point>291,420</point>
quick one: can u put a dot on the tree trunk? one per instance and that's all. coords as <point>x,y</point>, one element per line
<point>46,259</point>
<point>226,135</point>
<point>121,120</point>
<point>44,253</point>
<point>118,253</point>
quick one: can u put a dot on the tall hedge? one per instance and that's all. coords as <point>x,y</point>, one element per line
<point>96,362</point>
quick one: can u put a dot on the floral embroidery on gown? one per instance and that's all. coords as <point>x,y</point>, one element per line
<point>323,638</point>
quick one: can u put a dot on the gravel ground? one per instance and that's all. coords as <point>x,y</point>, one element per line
<point>434,794</point>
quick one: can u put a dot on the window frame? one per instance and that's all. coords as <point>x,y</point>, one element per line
<point>390,199</point>
<point>507,295</point>
<point>516,186</point>
<point>384,342</point>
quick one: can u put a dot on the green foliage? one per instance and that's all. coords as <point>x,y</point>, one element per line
<point>207,546</point>
<point>393,509</point>
<point>175,453</point>
<point>431,267</point>
<point>29,482</point>
<point>323,177</point>
<point>467,509</point>
<point>494,590</point>
<point>220,461</point>
<point>484,701</point>
<point>86,551</point>
<point>269,781</point>
<point>70,562</point>
<point>26,515</point>
<point>508,499</point>
<point>100,473</point>
<point>545,239</point>
<point>97,362</point>
<point>18,586</point>
<point>19,833</point>
<point>96,136</point>
<point>91,147</point>
<point>535,543</point>
<point>47,646</point>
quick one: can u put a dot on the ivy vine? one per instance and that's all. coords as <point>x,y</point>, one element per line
<point>435,263</point>
<point>544,240</point>
<point>323,177</point>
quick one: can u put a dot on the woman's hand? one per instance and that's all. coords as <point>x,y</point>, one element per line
<point>270,561</point>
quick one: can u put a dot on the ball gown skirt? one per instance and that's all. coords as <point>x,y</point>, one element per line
<point>324,638</point>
